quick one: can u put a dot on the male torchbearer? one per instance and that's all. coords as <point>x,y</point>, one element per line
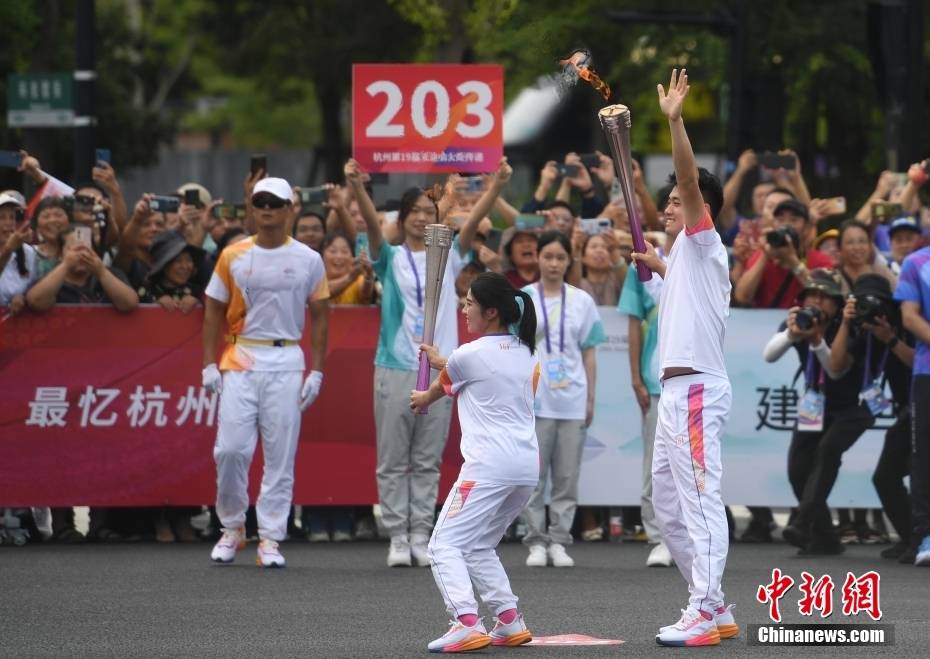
<point>262,286</point>
<point>696,396</point>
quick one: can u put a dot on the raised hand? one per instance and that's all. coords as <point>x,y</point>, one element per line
<point>671,102</point>
<point>504,171</point>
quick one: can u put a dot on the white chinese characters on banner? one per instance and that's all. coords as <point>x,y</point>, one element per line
<point>99,409</point>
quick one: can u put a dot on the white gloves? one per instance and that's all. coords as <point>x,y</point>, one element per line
<point>212,379</point>
<point>311,389</point>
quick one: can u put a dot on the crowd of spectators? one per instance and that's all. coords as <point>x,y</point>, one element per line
<point>788,251</point>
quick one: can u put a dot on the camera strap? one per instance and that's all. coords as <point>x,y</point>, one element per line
<point>785,285</point>
<point>867,369</point>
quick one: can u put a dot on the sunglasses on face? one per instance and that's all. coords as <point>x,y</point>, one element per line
<point>268,201</point>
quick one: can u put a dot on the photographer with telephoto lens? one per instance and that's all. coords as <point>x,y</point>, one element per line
<point>863,351</point>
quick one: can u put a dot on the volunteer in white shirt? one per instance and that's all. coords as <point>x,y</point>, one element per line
<point>695,399</point>
<point>262,287</point>
<point>494,379</point>
<point>567,333</point>
<point>410,446</point>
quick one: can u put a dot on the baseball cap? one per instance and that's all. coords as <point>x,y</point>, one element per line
<point>274,186</point>
<point>825,280</point>
<point>202,192</point>
<point>11,197</point>
<point>826,235</point>
<point>903,223</point>
<point>792,205</point>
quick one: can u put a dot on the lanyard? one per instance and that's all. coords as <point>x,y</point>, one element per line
<point>866,371</point>
<point>416,275</point>
<point>809,372</point>
<point>542,302</point>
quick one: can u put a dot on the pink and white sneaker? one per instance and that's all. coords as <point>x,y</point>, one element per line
<point>228,546</point>
<point>511,635</point>
<point>460,638</point>
<point>693,629</point>
<point>726,623</point>
<point>269,555</point>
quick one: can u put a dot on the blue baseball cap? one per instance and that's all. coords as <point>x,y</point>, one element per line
<point>902,223</point>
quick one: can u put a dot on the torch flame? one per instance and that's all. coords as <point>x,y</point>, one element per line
<point>578,62</point>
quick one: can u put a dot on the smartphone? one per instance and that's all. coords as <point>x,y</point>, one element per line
<point>240,211</point>
<point>528,221</point>
<point>837,206</point>
<point>85,235</point>
<point>191,198</point>
<point>316,195</point>
<point>103,155</point>
<point>390,217</point>
<point>11,159</point>
<point>567,170</point>
<point>224,211</point>
<point>590,160</point>
<point>595,225</point>
<point>885,211</point>
<point>771,160</point>
<point>164,204</point>
<point>361,243</point>
<point>258,164</point>
<point>474,184</point>
<point>493,241</point>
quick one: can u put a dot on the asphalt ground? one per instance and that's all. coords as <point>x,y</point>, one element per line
<point>150,600</point>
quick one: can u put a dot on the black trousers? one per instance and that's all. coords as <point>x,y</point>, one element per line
<point>893,465</point>
<point>920,457</point>
<point>814,460</point>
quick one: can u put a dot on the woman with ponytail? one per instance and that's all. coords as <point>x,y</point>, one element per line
<point>568,331</point>
<point>494,378</point>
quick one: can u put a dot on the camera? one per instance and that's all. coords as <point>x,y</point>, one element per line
<point>779,237</point>
<point>808,318</point>
<point>311,196</point>
<point>568,170</point>
<point>164,204</point>
<point>869,308</point>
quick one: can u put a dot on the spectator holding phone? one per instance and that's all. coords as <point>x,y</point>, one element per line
<point>81,278</point>
<point>776,272</point>
<point>603,268</point>
<point>133,256</point>
<point>904,235</point>
<point>520,247</point>
<point>568,331</point>
<point>51,217</point>
<point>410,446</point>
<point>171,281</point>
<point>18,266</point>
<point>310,229</point>
<point>351,279</point>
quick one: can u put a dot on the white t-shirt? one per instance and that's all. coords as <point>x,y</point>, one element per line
<point>563,388</point>
<point>399,337</point>
<point>11,282</point>
<point>267,291</point>
<point>695,302</point>
<point>494,378</point>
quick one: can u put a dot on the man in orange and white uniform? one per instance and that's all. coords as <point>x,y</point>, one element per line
<point>262,286</point>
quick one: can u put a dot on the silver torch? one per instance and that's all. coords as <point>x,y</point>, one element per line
<point>438,240</point>
<point>615,120</point>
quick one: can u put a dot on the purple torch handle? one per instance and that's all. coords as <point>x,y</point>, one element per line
<point>423,376</point>
<point>615,120</point>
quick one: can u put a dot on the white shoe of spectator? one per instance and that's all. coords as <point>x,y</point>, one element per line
<point>659,557</point>
<point>342,536</point>
<point>318,536</point>
<point>559,556</point>
<point>399,553</point>
<point>418,550</point>
<point>228,546</point>
<point>538,556</point>
<point>268,554</point>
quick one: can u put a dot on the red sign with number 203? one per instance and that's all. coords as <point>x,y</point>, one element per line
<point>427,117</point>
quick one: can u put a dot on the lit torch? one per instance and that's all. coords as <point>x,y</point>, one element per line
<point>578,65</point>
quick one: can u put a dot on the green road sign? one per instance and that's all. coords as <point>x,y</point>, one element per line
<point>40,100</point>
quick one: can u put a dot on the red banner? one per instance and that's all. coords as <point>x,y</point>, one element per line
<point>427,117</point>
<point>103,408</point>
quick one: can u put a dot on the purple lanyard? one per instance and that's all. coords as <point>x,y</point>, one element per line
<point>809,372</point>
<point>542,302</point>
<point>416,275</point>
<point>866,371</point>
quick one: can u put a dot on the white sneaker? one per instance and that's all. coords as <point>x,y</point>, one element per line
<point>560,557</point>
<point>318,536</point>
<point>659,557</point>
<point>691,630</point>
<point>418,550</point>
<point>342,536</point>
<point>460,638</point>
<point>726,623</point>
<point>229,544</point>
<point>268,554</point>
<point>511,635</point>
<point>399,553</point>
<point>538,556</point>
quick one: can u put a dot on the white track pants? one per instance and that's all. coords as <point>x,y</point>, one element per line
<point>462,549</point>
<point>253,401</point>
<point>686,472</point>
